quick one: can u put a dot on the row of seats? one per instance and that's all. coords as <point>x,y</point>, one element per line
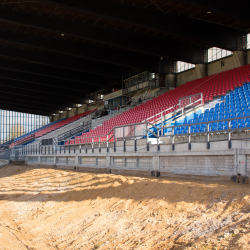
<point>234,105</point>
<point>30,136</point>
<point>62,123</point>
<point>211,86</point>
<point>48,128</point>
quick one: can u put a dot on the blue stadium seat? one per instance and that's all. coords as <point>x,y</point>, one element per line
<point>234,124</point>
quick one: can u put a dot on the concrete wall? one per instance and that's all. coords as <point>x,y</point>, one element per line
<point>237,60</point>
<point>248,57</point>
<point>231,62</point>
<point>218,161</point>
<point>198,72</point>
<point>203,165</point>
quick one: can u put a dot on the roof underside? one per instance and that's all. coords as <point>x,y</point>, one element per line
<point>53,54</point>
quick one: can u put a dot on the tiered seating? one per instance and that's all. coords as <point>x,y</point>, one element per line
<point>62,123</point>
<point>236,104</point>
<point>211,86</point>
<point>48,128</point>
<point>29,136</point>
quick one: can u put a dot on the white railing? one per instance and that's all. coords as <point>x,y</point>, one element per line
<point>127,131</point>
<point>184,103</point>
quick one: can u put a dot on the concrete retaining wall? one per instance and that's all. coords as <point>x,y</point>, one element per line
<point>3,163</point>
<point>199,165</point>
<point>218,161</point>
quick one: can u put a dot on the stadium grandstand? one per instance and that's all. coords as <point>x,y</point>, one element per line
<point>154,87</point>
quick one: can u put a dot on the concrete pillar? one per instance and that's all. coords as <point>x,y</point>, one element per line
<point>156,163</point>
<point>170,79</point>
<point>200,70</point>
<point>239,58</point>
<point>77,160</point>
<point>108,161</point>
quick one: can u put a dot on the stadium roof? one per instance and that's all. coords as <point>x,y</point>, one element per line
<point>53,53</point>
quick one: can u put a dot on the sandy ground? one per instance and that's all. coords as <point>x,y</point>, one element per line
<point>44,209</point>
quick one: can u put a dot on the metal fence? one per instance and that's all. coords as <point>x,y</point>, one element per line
<point>135,132</point>
<point>142,131</point>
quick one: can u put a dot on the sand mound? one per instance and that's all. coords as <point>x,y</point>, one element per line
<point>58,209</point>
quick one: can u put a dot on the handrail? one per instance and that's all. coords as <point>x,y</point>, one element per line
<point>189,134</point>
<point>191,124</point>
<point>143,122</point>
<point>190,96</point>
<point>190,104</point>
<point>74,131</point>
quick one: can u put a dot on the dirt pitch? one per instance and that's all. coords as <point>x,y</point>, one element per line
<point>44,209</point>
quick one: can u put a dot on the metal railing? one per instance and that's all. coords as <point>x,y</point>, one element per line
<point>161,116</point>
<point>138,131</point>
<point>79,129</point>
<point>134,132</point>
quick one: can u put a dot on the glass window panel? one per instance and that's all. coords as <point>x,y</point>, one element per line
<point>182,66</point>
<point>224,53</point>
<point>15,124</point>
<point>217,53</point>
<point>129,131</point>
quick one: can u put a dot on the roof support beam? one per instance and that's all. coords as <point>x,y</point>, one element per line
<point>25,109</point>
<point>181,27</point>
<point>228,8</point>
<point>48,84</point>
<point>36,100</point>
<point>17,87</point>
<point>130,41</point>
<point>73,67</point>
<point>33,105</point>
<point>129,59</point>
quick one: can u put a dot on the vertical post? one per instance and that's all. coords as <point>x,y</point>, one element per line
<point>92,144</point>
<point>45,150</point>
<point>107,143</point>
<point>74,146</point>
<point>114,141</point>
<point>208,140</point>
<point>173,145</point>
<point>161,124</point>
<point>99,144</point>
<point>80,148</point>
<point>158,139</point>
<point>124,145</point>
<point>147,143</point>
<point>229,140</point>
<point>189,138</point>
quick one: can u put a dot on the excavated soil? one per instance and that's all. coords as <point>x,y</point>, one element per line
<point>44,209</point>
